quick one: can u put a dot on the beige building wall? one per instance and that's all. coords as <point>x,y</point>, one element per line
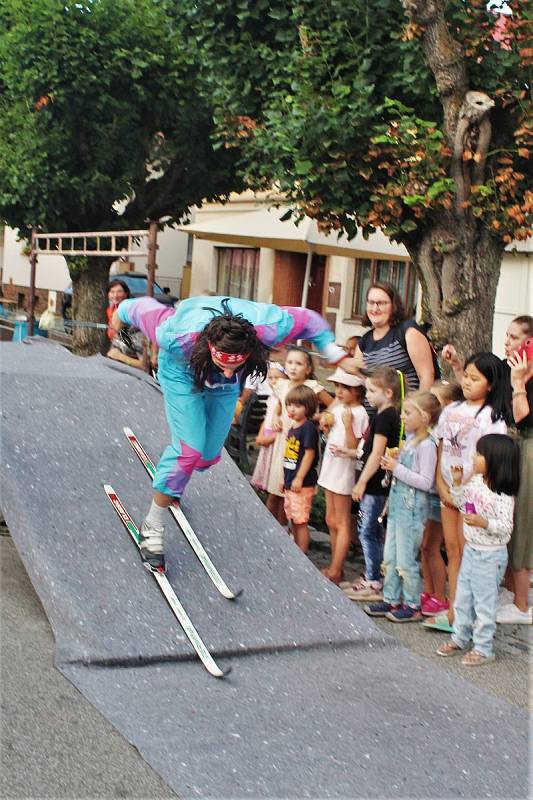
<point>51,272</point>
<point>515,291</point>
<point>514,296</point>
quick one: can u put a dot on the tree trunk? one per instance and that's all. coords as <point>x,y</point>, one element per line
<point>458,263</point>
<point>89,300</point>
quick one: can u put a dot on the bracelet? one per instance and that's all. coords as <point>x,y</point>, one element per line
<point>517,394</point>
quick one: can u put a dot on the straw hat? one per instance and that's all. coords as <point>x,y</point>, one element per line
<point>346,378</point>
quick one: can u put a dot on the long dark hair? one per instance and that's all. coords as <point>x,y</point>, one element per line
<point>502,456</point>
<point>499,395</point>
<point>397,313</point>
<point>231,333</point>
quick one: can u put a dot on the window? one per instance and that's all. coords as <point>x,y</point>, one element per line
<point>238,270</point>
<point>400,274</point>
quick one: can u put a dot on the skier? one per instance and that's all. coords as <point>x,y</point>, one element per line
<point>208,346</point>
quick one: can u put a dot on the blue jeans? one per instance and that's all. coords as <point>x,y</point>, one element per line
<point>371,534</point>
<point>408,511</point>
<point>476,598</point>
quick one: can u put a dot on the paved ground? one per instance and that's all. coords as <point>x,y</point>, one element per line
<point>54,744</point>
<point>507,677</point>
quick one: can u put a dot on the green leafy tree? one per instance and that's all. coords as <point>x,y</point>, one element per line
<point>103,125</point>
<point>414,117</point>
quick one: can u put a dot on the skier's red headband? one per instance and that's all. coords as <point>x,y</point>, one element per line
<point>231,359</point>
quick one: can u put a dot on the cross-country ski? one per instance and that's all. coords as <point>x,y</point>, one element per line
<point>183,523</point>
<point>169,593</point>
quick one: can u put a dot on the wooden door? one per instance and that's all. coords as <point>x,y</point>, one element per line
<point>289,271</point>
<point>315,294</point>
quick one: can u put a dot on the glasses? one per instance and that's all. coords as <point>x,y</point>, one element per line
<point>378,303</point>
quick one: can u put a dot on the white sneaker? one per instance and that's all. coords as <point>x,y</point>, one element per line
<point>511,615</point>
<point>505,598</point>
<point>152,544</point>
<point>368,593</point>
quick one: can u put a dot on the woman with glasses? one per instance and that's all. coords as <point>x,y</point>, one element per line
<point>395,341</point>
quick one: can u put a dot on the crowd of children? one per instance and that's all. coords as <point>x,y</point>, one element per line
<point>431,477</point>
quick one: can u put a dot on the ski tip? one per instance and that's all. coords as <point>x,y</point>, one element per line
<point>108,489</point>
<point>128,431</point>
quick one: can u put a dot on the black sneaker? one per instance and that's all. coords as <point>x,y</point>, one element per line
<point>405,614</point>
<point>152,548</point>
<point>380,609</point>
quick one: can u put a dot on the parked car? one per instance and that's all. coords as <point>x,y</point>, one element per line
<point>137,284</point>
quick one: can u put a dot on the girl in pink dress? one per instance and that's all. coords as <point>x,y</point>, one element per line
<point>267,435</point>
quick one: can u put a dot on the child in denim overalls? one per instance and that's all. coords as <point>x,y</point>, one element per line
<point>413,476</point>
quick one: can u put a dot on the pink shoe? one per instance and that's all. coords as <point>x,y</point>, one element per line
<point>433,606</point>
<point>424,597</point>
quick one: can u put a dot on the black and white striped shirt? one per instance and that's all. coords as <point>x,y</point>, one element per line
<point>389,352</point>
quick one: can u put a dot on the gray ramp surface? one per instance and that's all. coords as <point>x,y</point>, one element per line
<point>319,704</point>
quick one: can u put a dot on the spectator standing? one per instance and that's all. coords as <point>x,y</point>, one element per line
<point>267,435</point>
<point>518,610</point>
<point>121,349</point>
<point>300,461</point>
<point>433,598</point>
<point>372,487</point>
<point>484,410</point>
<point>413,475</point>
<point>299,370</point>
<point>487,501</point>
<point>337,473</point>
<point>515,597</point>
<point>395,341</point>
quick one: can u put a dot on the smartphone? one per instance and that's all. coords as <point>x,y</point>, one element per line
<point>470,508</point>
<point>527,348</point>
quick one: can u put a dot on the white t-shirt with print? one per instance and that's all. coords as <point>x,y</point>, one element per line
<point>460,426</point>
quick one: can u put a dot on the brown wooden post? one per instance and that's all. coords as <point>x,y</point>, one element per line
<point>33,265</point>
<point>152,252</point>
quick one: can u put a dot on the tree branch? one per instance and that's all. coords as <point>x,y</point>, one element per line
<point>444,57</point>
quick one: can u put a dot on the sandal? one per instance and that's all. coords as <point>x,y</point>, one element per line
<point>359,583</point>
<point>475,659</point>
<point>438,623</point>
<point>449,649</point>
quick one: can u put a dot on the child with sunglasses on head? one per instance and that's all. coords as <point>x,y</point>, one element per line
<point>413,475</point>
<point>486,501</point>
<point>349,422</point>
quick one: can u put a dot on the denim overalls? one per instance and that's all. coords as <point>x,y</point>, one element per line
<point>407,515</point>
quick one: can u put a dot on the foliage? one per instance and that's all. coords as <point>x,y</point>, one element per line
<point>101,121</point>
<point>334,104</point>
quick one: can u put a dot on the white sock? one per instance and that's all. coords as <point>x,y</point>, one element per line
<point>157,515</point>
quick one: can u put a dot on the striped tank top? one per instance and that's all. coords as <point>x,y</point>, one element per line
<point>389,352</point>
